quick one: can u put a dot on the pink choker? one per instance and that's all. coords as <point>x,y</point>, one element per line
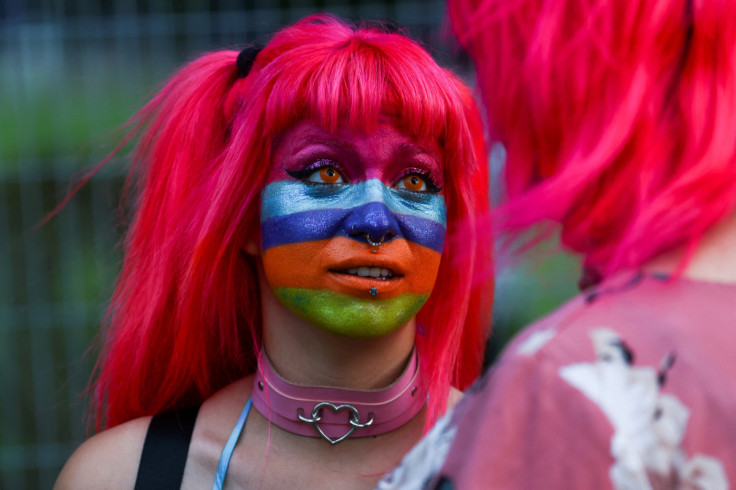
<point>337,413</point>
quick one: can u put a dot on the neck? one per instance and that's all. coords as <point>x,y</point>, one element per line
<point>305,354</point>
<point>714,260</point>
<point>336,414</point>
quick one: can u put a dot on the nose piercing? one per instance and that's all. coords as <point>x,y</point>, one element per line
<point>372,243</point>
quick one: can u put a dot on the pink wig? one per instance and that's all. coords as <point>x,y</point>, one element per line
<point>618,118</point>
<point>185,318</point>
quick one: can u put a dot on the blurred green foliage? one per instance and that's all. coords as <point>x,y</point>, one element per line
<point>529,286</point>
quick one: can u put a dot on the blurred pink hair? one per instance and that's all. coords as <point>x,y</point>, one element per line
<point>618,118</point>
<point>185,318</point>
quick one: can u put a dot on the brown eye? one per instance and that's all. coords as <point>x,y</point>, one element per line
<point>413,182</point>
<point>321,172</point>
<point>325,175</point>
<point>329,175</point>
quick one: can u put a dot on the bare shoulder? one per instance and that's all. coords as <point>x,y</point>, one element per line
<point>109,459</point>
<point>217,417</point>
<point>215,421</point>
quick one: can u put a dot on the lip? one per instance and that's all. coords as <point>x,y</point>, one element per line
<point>363,284</point>
<point>384,261</point>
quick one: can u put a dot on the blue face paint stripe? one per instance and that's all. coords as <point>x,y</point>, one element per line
<point>327,223</point>
<point>285,197</point>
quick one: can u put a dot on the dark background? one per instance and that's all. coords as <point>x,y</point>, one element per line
<point>71,73</point>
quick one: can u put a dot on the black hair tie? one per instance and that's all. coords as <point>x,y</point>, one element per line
<point>246,58</point>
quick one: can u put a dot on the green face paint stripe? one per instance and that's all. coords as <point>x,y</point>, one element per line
<point>350,316</point>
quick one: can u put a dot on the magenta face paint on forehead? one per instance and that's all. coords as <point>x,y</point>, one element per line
<point>383,155</point>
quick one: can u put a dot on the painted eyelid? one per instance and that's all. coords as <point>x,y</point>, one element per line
<point>323,162</point>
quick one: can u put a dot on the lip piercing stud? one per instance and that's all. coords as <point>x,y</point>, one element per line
<point>373,291</point>
<point>374,251</point>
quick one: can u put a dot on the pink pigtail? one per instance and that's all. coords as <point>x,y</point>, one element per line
<point>160,330</point>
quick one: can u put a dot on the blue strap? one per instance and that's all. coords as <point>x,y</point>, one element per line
<point>227,451</point>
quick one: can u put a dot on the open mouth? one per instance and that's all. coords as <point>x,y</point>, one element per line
<point>378,273</point>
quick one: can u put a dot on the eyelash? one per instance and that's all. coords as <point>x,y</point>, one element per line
<point>433,186</point>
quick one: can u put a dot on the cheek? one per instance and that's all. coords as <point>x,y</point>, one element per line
<point>290,214</point>
<point>290,265</point>
<point>422,269</point>
<point>275,173</point>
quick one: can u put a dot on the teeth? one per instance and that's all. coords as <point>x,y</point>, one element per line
<point>375,272</point>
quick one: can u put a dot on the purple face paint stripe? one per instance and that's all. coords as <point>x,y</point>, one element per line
<point>327,223</point>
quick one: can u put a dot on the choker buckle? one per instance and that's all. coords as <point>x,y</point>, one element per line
<point>354,420</point>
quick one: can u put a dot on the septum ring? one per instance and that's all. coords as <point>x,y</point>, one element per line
<point>372,243</point>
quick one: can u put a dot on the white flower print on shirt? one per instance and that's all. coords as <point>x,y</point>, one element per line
<point>648,425</point>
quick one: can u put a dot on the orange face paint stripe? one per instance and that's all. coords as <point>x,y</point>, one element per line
<point>307,264</point>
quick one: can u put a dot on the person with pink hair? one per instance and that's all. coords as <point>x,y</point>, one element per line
<point>307,242</point>
<point>618,121</point>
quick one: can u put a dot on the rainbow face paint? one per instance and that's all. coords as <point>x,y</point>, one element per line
<point>329,200</point>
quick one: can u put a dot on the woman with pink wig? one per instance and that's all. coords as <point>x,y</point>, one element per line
<point>305,242</point>
<point>619,123</point>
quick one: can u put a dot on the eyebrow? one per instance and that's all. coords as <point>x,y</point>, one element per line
<point>330,140</point>
<point>315,136</point>
<point>415,149</point>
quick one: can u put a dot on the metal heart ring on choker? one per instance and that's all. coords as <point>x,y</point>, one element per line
<point>336,414</point>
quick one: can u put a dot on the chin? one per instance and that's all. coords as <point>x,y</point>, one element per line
<point>351,316</point>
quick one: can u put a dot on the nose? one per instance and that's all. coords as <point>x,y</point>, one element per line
<point>373,223</point>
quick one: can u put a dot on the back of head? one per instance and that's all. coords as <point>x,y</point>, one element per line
<point>618,118</point>
<point>185,318</point>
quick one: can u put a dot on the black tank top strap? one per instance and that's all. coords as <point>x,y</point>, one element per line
<point>165,450</point>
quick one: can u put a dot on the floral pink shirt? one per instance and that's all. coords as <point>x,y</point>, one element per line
<point>630,386</point>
